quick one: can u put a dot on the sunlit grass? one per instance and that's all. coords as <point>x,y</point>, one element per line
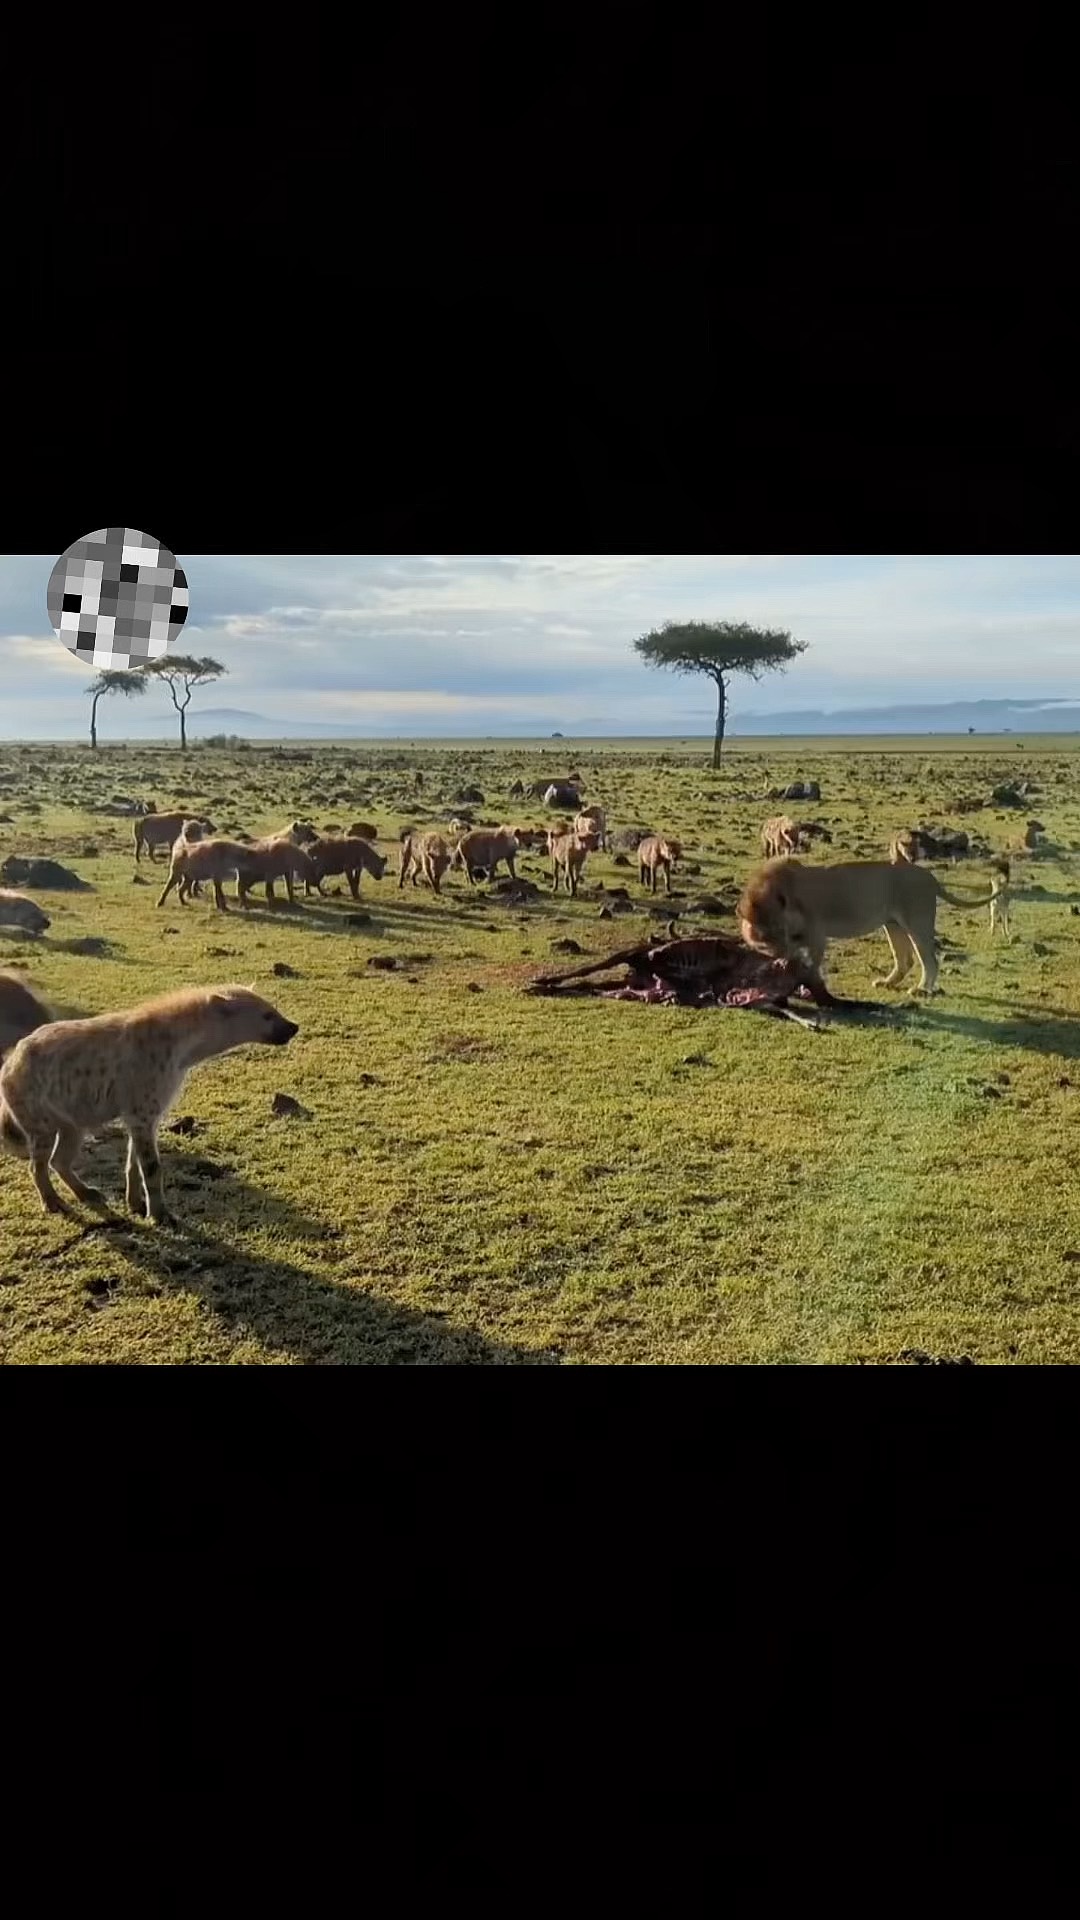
<point>492,1178</point>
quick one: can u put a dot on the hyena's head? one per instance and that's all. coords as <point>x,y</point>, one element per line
<point>244,1018</point>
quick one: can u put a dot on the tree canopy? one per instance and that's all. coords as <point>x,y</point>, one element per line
<point>718,648</point>
<point>182,673</point>
<point>125,680</point>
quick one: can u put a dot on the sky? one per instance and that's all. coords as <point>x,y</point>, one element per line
<point>487,644</point>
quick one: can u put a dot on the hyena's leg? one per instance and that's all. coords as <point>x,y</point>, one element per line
<point>143,1136</point>
<point>68,1142</point>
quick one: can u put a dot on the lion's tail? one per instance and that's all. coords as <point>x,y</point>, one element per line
<point>969,900</point>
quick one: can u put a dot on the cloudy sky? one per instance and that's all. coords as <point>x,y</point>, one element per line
<point>482,644</point>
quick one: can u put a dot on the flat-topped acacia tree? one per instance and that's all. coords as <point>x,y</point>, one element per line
<point>125,680</point>
<point>183,670</point>
<point>718,648</point>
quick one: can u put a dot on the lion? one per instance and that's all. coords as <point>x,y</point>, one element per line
<point>788,908</point>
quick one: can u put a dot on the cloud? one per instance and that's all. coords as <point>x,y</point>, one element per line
<point>508,635</point>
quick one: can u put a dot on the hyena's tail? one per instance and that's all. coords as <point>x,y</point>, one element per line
<point>12,1137</point>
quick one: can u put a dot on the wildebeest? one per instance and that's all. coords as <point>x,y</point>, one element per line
<point>566,798</point>
<point>71,1077</point>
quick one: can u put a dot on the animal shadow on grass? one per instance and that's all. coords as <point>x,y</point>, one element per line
<point>1038,1029</point>
<point>383,916</point>
<point>287,1309</point>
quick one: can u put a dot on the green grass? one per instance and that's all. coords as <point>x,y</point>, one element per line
<point>488,1178</point>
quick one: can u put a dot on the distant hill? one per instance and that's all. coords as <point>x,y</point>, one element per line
<point>250,726</point>
<point>986,716</point>
<point>954,717</point>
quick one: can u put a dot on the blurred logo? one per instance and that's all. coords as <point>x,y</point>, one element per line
<point>117,598</point>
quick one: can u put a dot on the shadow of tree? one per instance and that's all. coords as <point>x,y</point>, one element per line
<point>287,1308</point>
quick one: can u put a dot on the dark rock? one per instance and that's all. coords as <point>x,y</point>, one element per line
<point>383,963</point>
<point>566,946</point>
<point>187,1123</point>
<point>285,1107</point>
<point>46,874</point>
<point>282,971</point>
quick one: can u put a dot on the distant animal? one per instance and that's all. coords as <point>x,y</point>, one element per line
<point>20,1012</point>
<point>999,901</point>
<point>788,908</point>
<point>361,831</point>
<point>530,837</point>
<point>592,820</point>
<point>426,855</point>
<point>568,855</point>
<point>161,829</point>
<point>72,1077</point>
<point>559,794</point>
<point>486,847</point>
<point>802,790</point>
<point>1032,834</point>
<point>18,910</point>
<point>351,856</point>
<point>918,843</point>
<point>906,846</point>
<point>778,836</point>
<point>655,855</point>
<point>807,831</point>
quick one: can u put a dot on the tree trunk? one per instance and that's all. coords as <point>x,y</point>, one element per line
<point>93,722</point>
<point>183,732</point>
<point>721,716</point>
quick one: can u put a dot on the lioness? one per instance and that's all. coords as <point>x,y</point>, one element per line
<point>788,908</point>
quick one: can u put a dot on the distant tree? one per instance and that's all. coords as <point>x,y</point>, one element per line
<point>125,680</point>
<point>718,648</point>
<point>184,671</point>
<point>971,729</point>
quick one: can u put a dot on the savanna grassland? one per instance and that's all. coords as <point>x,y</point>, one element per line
<point>480,1177</point>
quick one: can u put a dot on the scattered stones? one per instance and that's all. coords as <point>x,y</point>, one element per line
<point>915,1357</point>
<point>283,1106</point>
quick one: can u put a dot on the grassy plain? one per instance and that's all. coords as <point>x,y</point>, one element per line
<point>486,1178</point>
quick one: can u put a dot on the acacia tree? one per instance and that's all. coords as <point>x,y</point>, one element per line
<point>717,648</point>
<point>125,680</point>
<point>182,673</point>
